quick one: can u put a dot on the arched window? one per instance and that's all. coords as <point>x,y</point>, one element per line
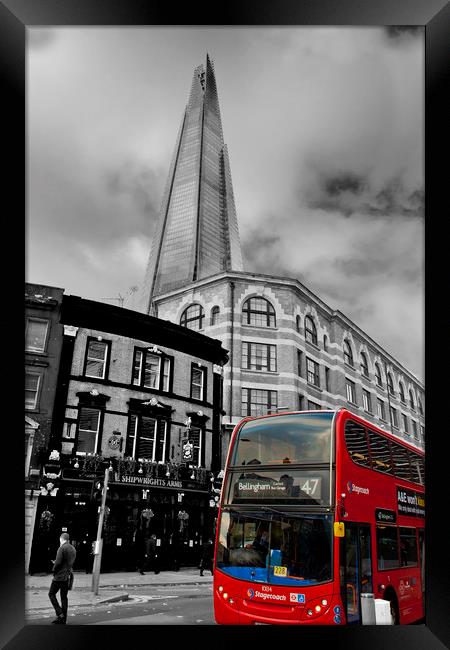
<point>411,400</point>
<point>298,323</point>
<point>364,364</point>
<point>215,311</point>
<point>259,312</point>
<point>192,317</point>
<point>378,375</point>
<point>390,384</point>
<point>419,406</point>
<point>310,330</point>
<point>348,354</point>
<point>401,390</point>
<point>325,343</point>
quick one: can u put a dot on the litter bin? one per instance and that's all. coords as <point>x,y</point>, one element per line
<point>368,609</point>
<point>383,612</point>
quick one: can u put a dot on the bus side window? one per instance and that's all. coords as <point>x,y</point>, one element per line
<point>408,546</point>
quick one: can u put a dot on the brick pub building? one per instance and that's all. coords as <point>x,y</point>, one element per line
<point>135,394</point>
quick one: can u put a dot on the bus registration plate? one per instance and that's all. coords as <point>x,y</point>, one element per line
<point>280,571</point>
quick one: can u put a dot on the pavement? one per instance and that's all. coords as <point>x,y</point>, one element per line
<point>113,587</point>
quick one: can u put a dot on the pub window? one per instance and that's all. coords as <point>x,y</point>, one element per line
<point>258,312</point>
<point>152,370</point>
<point>394,418</point>
<point>312,372</point>
<point>408,546</point>
<point>325,343</point>
<point>36,334</point>
<point>387,547</point>
<point>313,406</point>
<point>310,330</point>
<point>196,436</point>
<point>95,364</point>
<point>411,401</point>
<point>350,390</point>
<point>301,400</point>
<point>32,384</point>
<point>299,363</point>
<point>405,423</point>
<point>364,365</point>
<point>259,356</point>
<point>356,442</point>
<point>147,438</point>
<point>390,384</point>
<point>380,452</point>
<point>258,402</point>
<point>198,382</point>
<point>378,378</point>
<point>367,401</point>
<point>348,354</point>
<point>88,430</point>
<point>401,391</point>
<point>419,406</point>
<point>414,428</point>
<point>215,312</point>
<point>327,379</point>
<point>192,317</point>
<point>380,409</point>
<point>298,323</point>
<point>400,457</point>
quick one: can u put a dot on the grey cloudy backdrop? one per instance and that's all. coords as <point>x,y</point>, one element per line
<point>325,130</point>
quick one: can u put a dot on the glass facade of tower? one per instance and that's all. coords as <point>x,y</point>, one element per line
<point>197,233</point>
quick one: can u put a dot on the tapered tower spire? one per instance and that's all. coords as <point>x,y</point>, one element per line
<point>196,235</point>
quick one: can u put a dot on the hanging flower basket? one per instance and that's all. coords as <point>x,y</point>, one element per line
<point>45,521</point>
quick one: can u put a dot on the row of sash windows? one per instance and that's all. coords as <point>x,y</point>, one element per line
<point>147,437</point>
<point>150,370</point>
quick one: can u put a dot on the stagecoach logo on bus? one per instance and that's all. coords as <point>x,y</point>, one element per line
<point>351,487</point>
<point>410,503</point>
<point>264,595</point>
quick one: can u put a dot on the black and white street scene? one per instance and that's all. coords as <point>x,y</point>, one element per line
<point>223,223</point>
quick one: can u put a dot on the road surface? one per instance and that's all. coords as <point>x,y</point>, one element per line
<point>162,605</point>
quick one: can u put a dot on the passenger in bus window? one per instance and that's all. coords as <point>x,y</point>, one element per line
<point>403,553</point>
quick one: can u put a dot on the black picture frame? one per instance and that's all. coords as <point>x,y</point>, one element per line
<point>434,15</point>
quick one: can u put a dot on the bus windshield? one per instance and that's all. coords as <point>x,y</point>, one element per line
<point>294,438</point>
<point>275,547</point>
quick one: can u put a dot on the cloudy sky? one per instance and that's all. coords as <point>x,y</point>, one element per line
<point>325,130</point>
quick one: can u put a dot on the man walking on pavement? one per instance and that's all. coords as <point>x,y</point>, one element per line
<point>207,557</point>
<point>62,575</point>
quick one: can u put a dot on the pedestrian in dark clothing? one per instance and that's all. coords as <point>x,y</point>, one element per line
<point>152,553</point>
<point>207,557</point>
<point>62,575</point>
<point>141,557</point>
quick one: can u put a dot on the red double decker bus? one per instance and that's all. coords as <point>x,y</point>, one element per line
<point>317,510</point>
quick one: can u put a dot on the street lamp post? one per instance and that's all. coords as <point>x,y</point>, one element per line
<point>99,541</point>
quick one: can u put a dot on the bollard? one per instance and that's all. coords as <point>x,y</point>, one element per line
<point>368,609</point>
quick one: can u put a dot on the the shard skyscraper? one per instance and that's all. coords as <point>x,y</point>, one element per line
<point>196,235</point>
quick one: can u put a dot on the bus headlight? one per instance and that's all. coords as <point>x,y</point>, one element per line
<point>225,596</point>
<point>317,608</point>
<point>324,602</point>
<point>310,612</point>
<point>220,589</point>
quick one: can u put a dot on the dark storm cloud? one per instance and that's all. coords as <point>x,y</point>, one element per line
<point>38,39</point>
<point>347,193</point>
<point>402,32</point>
<point>142,184</point>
